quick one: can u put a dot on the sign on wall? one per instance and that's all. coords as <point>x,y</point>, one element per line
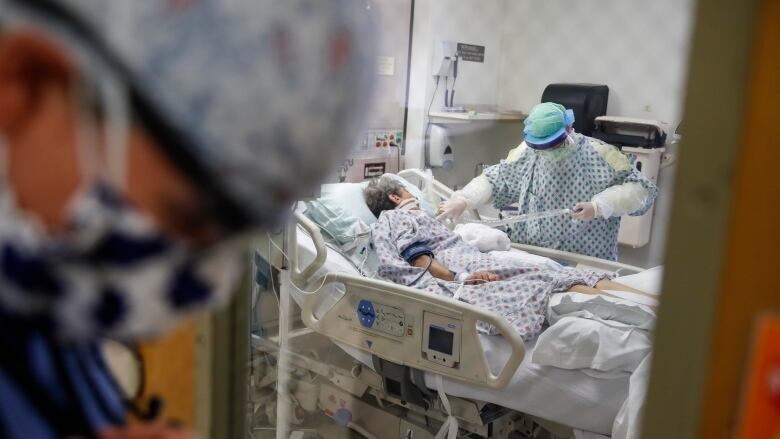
<point>471,52</point>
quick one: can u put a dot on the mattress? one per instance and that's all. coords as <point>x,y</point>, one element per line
<point>568,397</point>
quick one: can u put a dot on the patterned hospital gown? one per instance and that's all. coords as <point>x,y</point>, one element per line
<point>537,184</point>
<point>520,296</point>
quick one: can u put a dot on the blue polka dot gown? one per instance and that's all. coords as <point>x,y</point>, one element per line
<point>520,296</point>
<point>536,184</point>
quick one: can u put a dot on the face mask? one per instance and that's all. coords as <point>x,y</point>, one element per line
<point>558,153</point>
<point>112,274</point>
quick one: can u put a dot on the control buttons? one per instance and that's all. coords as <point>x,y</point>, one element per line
<point>383,318</point>
<point>366,313</point>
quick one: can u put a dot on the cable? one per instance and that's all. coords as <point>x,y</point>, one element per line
<point>271,274</point>
<point>466,282</point>
<point>435,89</point>
<point>454,79</point>
<point>324,278</point>
<point>337,250</point>
<point>362,263</point>
<point>430,262</point>
<point>446,92</point>
<point>398,155</point>
<point>520,218</point>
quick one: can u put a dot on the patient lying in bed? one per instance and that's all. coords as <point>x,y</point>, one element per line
<point>414,249</point>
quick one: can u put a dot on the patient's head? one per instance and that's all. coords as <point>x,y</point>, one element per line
<point>384,193</point>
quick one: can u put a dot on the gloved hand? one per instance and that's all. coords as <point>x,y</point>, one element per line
<point>452,208</point>
<point>585,211</point>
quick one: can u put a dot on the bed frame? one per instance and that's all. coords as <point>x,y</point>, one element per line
<point>298,371</point>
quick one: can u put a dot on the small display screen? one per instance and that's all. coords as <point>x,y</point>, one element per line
<point>440,340</point>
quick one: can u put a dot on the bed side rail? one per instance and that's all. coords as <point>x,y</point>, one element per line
<point>578,260</point>
<point>302,275</point>
<point>413,328</point>
<point>574,259</point>
<point>418,174</point>
<point>442,191</point>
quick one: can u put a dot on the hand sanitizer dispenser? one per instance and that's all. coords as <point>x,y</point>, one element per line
<point>439,151</point>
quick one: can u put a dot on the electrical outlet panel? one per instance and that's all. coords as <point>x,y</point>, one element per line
<point>381,140</point>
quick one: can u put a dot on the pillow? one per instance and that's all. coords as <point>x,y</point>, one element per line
<point>347,198</point>
<point>336,223</point>
<point>341,208</point>
<point>514,256</point>
<point>582,343</point>
<point>484,238</point>
<point>648,280</point>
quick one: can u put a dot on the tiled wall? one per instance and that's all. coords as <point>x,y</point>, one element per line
<point>638,48</point>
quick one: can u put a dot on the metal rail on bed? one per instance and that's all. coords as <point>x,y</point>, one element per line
<point>420,318</point>
<point>443,192</point>
<point>403,324</point>
<point>355,318</point>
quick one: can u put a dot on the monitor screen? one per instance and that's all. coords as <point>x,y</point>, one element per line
<point>439,339</point>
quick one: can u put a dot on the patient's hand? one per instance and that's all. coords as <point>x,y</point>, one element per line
<point>479,277</point>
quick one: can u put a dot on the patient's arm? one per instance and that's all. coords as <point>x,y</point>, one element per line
<point>437,269</point>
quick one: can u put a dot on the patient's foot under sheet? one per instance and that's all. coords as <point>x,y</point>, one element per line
<point>602,336</point>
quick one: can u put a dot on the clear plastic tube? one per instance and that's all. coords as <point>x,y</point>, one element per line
<point>520,218</point>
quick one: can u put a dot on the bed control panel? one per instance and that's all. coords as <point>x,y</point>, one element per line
<point>412,328</point>
<point>441,339</point>
<point>380,317</point>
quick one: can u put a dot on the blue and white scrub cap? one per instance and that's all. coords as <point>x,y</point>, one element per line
<point>545,126</point>
<point>255,100</point>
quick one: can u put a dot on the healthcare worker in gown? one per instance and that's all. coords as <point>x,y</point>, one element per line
<point>141,142</point>
<point>557,168</point>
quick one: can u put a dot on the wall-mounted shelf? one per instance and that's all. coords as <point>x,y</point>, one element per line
<point>476,116</point>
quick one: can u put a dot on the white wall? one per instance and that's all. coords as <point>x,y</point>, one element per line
<point>638,48</point>
<point>464,21</point>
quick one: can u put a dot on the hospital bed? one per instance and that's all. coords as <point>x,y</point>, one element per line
<point>371,356</point>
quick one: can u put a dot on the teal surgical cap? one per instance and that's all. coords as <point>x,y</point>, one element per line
<point>546,126</point>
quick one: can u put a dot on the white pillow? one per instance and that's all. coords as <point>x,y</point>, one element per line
<point>581,343</point>
<point>520,257</point>
<point>348,197</point>
<point>648,281</point>
<point>483,237</point>
<point>594,332</point>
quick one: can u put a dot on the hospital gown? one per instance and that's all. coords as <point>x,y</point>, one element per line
<point>537,184</point>
<point>520,296</point>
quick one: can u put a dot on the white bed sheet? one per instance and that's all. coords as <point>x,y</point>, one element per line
<point>569,397</point>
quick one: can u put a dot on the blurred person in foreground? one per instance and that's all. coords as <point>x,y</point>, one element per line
<point>140,142</point>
